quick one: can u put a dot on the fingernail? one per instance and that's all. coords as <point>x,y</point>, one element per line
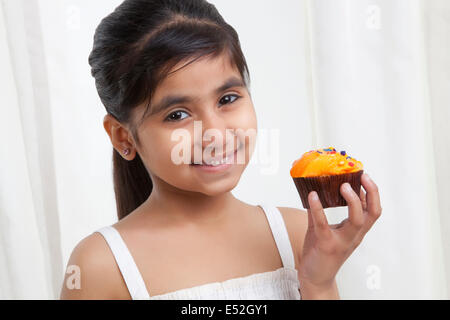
<point>314,196</point>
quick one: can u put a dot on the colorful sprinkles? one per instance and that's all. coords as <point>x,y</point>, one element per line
<point>330,150</point>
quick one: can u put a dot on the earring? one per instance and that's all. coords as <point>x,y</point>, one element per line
<point>126,152</point>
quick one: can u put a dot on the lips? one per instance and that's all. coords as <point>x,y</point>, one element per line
<point>218,160</point>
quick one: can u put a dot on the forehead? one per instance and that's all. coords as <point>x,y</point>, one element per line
<point>196,78</point>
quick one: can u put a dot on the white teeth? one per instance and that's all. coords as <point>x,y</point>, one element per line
<point>218,162</point>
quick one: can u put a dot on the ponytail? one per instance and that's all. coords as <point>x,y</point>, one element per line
<point>132,183</point>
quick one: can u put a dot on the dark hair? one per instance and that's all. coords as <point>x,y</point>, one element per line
<point>135,47</point>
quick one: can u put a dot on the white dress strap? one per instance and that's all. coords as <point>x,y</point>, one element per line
<point>130,272</point>
<point>280,234</point>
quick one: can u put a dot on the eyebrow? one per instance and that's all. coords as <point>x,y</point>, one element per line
<point>171,100</point>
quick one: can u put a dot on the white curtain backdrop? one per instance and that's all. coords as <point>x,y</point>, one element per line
<point>370,77</point>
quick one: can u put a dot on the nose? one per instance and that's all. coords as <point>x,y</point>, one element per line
<point>217,133</point>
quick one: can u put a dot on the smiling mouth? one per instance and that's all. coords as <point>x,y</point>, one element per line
<point>219,162</point>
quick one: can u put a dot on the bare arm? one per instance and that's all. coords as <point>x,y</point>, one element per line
<point>92,272</point>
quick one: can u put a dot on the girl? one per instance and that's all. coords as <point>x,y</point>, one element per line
<point>165,66</point>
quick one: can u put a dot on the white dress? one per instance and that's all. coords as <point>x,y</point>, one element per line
<point>280,284</point>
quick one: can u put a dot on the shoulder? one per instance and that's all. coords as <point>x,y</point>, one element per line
<point>296,221</point>
<point>92,272</point>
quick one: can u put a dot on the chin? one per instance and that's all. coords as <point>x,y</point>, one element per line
<point>219,186</point>
<point>209,184</point>
<point>213,192</point>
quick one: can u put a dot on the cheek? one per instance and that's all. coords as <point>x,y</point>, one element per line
<point>247,123</point>
<point>244,118</point>
<point>158,151</point>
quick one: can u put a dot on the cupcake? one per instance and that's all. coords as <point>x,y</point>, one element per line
<point>324,171</point>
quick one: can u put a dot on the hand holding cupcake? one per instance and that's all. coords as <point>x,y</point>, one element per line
<point>328,178</point>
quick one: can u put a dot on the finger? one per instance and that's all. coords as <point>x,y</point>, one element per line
<point>362,197</point>
<point>373,200</point>
<point>320,222</point>
<point>355,212</point>
<point>310,219</point>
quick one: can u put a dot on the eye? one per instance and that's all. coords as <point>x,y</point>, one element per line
<point>229,99</point>
<point>176,116</point>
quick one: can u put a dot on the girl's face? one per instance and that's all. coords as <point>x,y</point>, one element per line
<point>216,99</point>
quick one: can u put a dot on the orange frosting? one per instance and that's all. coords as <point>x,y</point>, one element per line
<point>325,161</point>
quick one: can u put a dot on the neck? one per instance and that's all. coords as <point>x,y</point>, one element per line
<point>174,205</point>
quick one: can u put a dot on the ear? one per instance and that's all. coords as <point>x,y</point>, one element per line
<point>120,137</point>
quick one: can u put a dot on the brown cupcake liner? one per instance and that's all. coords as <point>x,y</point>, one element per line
<point>328,188</point>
